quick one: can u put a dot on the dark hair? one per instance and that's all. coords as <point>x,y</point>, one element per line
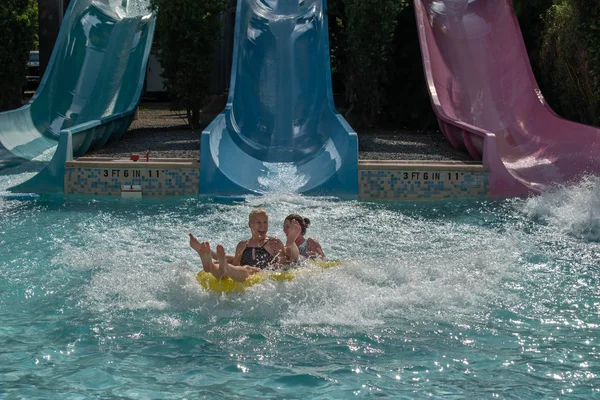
<point>304,222</point>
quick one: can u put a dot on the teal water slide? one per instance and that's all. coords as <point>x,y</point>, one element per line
<point>88,95</point>
<point>280,129</point>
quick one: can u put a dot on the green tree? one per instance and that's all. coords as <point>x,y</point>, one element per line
<point>188,34</point>
<point>337,45</point>
<point>563,41</point>
<point>407,102</point>
<point>530,14</point>
<point>18,33</point>
<point>571,59</point>
<point>531,20</point>
<point>369,35</point>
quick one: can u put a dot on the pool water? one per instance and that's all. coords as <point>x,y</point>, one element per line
<point>453,299</point>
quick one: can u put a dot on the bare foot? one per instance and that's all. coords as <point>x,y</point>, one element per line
<point>222,260</point>
<point>228,257</point>
<point>234,272</point>
<point>204,252</point>
<point>194,243</point>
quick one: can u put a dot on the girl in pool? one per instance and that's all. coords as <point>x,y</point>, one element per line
<point>307,247</point>
<point>254,254</point>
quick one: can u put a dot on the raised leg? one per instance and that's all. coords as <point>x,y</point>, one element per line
<point>235,272</point>
<point>203,250</point>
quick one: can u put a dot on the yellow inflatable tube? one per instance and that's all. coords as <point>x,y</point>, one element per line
<point>228,285</point>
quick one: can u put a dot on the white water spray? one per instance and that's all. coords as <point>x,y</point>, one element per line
<point>282,178</point>
<point>130,8</point>
<point>574,209</point>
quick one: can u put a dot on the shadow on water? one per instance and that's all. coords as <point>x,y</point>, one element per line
<point>7,160</point>
<point>20,166</point>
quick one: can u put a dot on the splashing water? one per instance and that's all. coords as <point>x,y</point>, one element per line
<point>130,8</point>
<point>282,178</point>
<point>576,209</point>
<point>432,299</point>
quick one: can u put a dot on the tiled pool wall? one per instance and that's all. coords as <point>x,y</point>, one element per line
<point>158,178</point>
<point>394,180</point>
<point>377,180</point>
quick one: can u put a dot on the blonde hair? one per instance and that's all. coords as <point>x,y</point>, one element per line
<point>256,212</point>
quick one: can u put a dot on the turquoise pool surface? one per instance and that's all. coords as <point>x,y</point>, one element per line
<point>455,299</point>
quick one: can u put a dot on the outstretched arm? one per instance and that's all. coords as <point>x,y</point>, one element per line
<point>314,248</point>
<point>291,249</point>
<point>279,253</point>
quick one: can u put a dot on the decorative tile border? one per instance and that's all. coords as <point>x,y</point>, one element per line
<point>377,180</point>
<point>158,178</point>
<point>424,180</point>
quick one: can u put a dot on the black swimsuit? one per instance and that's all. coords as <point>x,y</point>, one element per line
<point>257,256</point>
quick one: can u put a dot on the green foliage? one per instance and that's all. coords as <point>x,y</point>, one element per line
<point>188,32</point>
<point>531,20</point>
<point>376,60</point>
<point>337,44</point>
<point>400,90</point>
<point>369,34</point>
<point>563,41</point>
<point>35,24</point>
<point>407,102</point>
<point>570,57</point>
<point>18,30</point>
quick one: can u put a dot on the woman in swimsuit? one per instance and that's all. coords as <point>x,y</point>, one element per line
<point>264,251</point>
<point>251,255</point>
<point>307,247</point>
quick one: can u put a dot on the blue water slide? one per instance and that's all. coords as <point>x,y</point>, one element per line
<point>88,95</point>
<point>280,128</point>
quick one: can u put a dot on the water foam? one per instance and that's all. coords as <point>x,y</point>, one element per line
<point>446,287</point>
<point>572,209</point>
<point>140,260</point>
<point>130,8</point>
<point>8,181</point>
<point>282,178</point>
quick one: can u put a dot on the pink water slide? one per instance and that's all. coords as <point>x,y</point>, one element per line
<point>487,100</point>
